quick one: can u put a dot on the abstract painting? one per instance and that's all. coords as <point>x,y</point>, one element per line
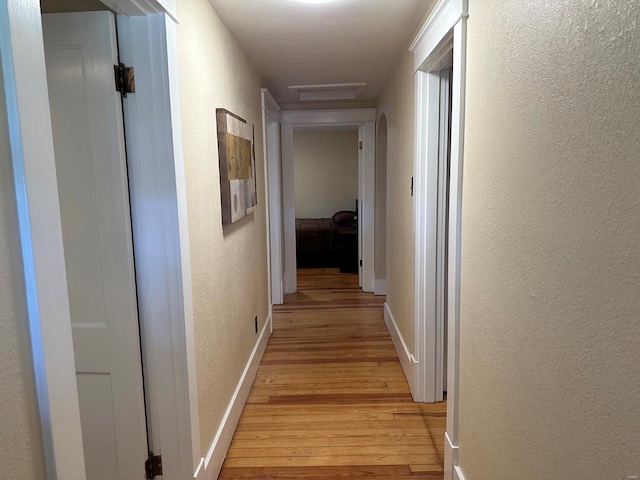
<point>236,152</point>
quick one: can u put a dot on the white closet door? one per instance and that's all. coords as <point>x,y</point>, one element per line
<point>86,111</point>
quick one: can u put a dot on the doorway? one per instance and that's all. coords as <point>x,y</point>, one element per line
<point>364,121</point>
<point>91,168</point>
<point>443,216</point>
<point>326,178</point>
<point>439,45</point>
<point>147,34</point>
<point>432,193</point>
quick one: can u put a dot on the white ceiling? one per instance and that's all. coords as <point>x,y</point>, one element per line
<point>342,41</point>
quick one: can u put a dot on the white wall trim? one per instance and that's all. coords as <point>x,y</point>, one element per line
<point>428,24</point>
<point>425,213</point>
<point>354,116</point>
<point>273,199</point>
<point>288,209</point>
<point>34,172</point>
<point>142,7</point>
<point>296,119</point>
<point>269,103</point>
<point>360,195</point>
<point>457,474</point>
<point>367,205</point>
<point>160,231</point>
<point>212,463</point>
<point>445,15</point>
<point>450,451</point>
<point>406,358</point>
<point>455,232</point>
<point>380,287</point>
<point>444,31</point>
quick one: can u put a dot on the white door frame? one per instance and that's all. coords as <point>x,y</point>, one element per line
<point>273,188</point>
<point>364,118</point>
<point>361,190</point>
<point>444,31</point>
<point>160,231</point>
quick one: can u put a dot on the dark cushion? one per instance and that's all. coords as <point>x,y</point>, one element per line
<point>344,218</point>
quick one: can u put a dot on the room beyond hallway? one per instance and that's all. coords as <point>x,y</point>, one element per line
<point>330,399</point>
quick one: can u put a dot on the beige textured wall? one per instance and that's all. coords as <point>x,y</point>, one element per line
<point>550,319</point>
<point>380,230</point>
<point>326,172</point>
<point>396,102</point>
<point>229,265</point>
<point>21,455</point>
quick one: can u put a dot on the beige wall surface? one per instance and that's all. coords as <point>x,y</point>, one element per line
<point>550,305</point>
<point>326,172</point>
<point>229,265</point>
<point>396,102</point>
<point>21,455</point>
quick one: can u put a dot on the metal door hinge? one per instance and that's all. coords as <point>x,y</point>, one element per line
<point>360,262</point>
<point>153,466</point>
<point>359,145</point>
<point>412,186</point>
<point>125,79</point>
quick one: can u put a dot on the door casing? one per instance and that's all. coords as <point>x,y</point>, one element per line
<point>443,33</point>
<point>273,187</point>
<point>147,32</point>
<point>91,166</point>
<point>364,119</point>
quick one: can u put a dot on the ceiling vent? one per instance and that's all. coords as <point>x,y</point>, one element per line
<point>333,91</point>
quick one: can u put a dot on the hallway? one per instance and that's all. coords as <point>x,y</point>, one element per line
<point>330,399</point>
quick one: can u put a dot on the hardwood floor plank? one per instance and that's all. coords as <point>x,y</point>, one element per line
<point>332,451</point>
<point>344,439</point>
<point>397,407</point>
<point>315,418</point>
<point>330,400</point>
<point>289,473</point>
<point>333,460</point>
<point>316,473</point>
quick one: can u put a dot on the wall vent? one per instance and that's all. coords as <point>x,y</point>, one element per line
<point>332,91</point>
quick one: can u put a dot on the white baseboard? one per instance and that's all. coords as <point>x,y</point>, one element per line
<point>450,457</point>
<point>210,466</point>
<point>406,359</point>
<point>290,283</point>
<point>368,281</point>
<point>457,474</point>
<point>282,291</point>
<point>380,287</point>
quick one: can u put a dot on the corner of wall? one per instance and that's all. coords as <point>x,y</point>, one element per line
<point>404,355</point>
<point>210,466</point>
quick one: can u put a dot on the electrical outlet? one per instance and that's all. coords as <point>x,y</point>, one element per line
<point>255,321</point>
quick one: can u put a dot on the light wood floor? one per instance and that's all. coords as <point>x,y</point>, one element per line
<point>330,400</point>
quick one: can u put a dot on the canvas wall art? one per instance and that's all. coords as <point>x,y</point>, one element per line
<point>236,151</point>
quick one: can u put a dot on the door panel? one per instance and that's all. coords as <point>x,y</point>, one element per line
<point>88,136</point>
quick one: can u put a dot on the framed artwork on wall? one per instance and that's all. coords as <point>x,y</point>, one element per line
<point>237,160</point>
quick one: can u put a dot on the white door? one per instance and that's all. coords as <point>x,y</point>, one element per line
<point>86,112</point>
